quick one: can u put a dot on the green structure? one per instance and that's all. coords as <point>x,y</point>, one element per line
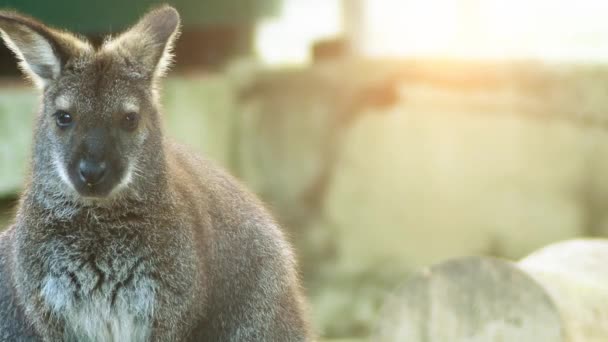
<point>113,15</point>
<point>213,31</point>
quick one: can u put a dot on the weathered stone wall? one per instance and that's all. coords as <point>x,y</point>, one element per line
<point>419,164</point>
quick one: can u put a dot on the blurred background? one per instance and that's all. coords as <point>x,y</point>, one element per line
<point>385,135</point>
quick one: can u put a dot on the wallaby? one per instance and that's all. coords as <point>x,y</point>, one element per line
<point>121,235</point>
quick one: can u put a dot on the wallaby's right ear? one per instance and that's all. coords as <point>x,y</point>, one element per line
<point>42,51</point>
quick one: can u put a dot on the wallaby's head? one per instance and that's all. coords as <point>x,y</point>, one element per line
<point>99,108</point>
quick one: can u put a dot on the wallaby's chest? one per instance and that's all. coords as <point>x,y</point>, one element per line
<point>107,296</point>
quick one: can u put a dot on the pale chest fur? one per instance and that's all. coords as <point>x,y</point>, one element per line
<point>101,300</point>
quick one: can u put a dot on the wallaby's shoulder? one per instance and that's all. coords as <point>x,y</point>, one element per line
<point>234,210</point>
<point>191,170</point>
<point>6,243</point>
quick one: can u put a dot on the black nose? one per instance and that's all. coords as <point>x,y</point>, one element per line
<point>91,172</point>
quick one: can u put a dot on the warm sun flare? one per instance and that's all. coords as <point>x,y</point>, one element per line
<point>554,30</point>
<point>496,29</point>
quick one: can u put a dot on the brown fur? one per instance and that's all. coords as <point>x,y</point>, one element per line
<point>166,247</point>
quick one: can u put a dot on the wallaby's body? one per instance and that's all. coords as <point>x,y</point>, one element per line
<point>121,235</point>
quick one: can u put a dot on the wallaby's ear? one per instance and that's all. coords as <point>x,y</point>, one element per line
<point>150,42</point>
<point>42,51</point>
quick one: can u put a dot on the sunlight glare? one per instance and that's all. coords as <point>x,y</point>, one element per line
<point>287,39</point>
<point>487,29</point>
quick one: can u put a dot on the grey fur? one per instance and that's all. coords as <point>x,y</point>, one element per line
<point>177,250</point>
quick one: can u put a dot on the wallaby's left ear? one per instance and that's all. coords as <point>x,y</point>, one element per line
<point>42,51</point>
<point>150,42</point>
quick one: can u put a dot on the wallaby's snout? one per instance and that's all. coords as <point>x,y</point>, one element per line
<point>96,167</point>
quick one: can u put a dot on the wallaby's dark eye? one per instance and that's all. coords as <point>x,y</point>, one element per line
<point>64,119</point>
<point>130,121</point>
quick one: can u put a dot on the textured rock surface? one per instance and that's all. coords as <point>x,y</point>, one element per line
<point>470,300</point>
<point>556,294</point>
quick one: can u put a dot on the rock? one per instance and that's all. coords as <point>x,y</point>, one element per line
<point>471,299</point>
<point>557,294</point>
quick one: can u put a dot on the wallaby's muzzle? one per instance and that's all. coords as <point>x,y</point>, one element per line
<point>95,178</point>
<point>95,168</point>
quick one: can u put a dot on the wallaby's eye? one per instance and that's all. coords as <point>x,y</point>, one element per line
<point>64,119</point>
<point>130,121</point>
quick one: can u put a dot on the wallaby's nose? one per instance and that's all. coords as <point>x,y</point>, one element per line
<point>91,172</point>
